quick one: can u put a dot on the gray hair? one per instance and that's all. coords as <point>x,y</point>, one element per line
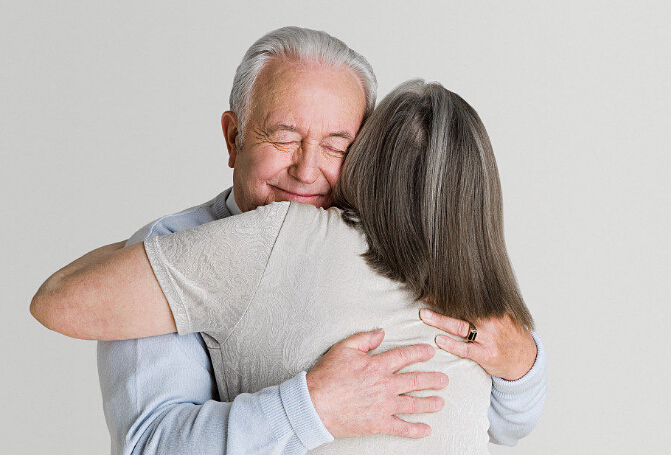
<point>298,44</point>
<point>421,182</point>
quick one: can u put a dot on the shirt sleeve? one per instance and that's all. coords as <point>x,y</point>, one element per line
<point>210,273</point>
<point>516,405</point>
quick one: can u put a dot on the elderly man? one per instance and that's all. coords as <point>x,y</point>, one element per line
<point>298,99</point>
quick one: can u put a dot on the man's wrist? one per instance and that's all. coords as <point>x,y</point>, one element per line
<point>302,413</point>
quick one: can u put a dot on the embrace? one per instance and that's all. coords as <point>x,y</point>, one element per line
<point>299,309</point>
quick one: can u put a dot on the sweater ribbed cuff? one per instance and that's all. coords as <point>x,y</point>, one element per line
<point>302,413</point>
<point>290,411</point>
<point>534,378</point>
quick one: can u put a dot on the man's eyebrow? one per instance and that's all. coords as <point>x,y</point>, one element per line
<point>281,127</point>
<point>286,127</point>
<point>342,134</point>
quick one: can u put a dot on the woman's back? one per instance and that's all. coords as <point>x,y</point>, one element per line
<point>317,289</point>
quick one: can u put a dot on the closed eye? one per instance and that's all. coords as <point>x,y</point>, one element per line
<point>335,152</point>
<point>286,146</point>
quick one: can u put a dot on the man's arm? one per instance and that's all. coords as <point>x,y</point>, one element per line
<point>159,398</point>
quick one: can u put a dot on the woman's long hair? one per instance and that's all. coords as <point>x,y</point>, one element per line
<point>421,181</point>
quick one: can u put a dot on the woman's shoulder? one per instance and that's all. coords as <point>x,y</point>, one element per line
<point>306,223</point>
<point>301,209</point>
<point>309,214</point>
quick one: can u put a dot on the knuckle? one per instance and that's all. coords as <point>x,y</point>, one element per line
<point>390,428</point>
<point>468,350</point>
<point>415,380</point>
<point>413,406</point>
<point>405,355</point>
<point>404,430</point>
<point>463,328</point>
<point>387,388</point>
<point>374,370</point>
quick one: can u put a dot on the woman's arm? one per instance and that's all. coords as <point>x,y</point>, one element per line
<point>209,274</point>
<point>108,294</point>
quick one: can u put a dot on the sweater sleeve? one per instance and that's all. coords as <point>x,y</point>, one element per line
<point>158,398</point>
<point>516,405</point>
<point>210,273</point>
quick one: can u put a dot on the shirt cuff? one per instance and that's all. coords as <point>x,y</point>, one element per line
<point>292,410</point>
<point>534,378</point>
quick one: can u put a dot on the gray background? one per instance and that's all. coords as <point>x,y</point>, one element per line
<point>110,118</point>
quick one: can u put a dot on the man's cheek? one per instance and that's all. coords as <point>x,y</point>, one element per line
<point>268,170</point>
<point>332,176</point>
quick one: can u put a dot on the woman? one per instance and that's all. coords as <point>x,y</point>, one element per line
<point>419,217</point>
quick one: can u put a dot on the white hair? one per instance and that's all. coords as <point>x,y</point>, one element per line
<point>298,44</point>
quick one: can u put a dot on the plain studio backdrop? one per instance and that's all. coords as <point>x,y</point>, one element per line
<point>110,118</point>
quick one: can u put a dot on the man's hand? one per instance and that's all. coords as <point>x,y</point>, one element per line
<point>358,394</point>
<point>501,347</point>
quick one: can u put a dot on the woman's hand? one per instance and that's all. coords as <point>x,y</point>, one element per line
<point>501,347</point>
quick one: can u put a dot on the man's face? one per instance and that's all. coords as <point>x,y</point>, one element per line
<point>302,119</point>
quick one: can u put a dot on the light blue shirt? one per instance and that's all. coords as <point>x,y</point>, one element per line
<point>160,394</point>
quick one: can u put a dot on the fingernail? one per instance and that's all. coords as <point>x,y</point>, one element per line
<point>440,340</point>
<point>444,379</point>
<point>425,314</point>
<point>378,330</point>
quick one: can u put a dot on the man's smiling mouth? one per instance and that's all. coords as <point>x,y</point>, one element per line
<point>293,194</point>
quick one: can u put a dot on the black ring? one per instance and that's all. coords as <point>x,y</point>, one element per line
<point>472,333</point>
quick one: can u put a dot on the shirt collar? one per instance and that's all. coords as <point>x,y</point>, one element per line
<point>231,205</point>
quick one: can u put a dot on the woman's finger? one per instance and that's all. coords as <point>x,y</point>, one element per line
<point>450,325</point>
<point>462,349</point>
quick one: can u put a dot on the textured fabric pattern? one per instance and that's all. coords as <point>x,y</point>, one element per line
<point>217,291</point>
<point>160,396</point>
<point>306,288</point>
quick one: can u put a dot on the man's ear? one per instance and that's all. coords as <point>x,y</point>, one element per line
<point>229,125</point>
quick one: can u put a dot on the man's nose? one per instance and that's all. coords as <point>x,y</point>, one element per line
<point>305,165</point>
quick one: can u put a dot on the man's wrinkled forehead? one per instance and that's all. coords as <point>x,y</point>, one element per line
<point>302,98</point>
